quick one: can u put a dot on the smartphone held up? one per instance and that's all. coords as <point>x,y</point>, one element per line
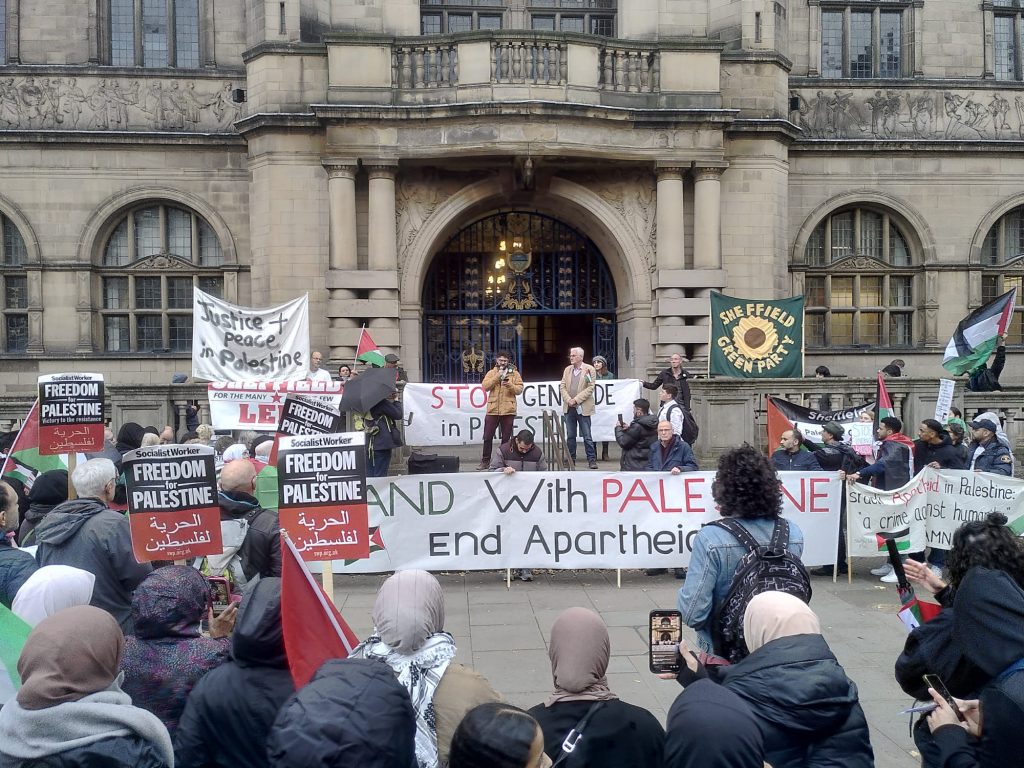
<point>665,634</point>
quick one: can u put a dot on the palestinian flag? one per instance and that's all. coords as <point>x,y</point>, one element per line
<point>901,546</point>
<point>885,408</point>
<point>376,543</point>
<point>13,634</point>
<point>313,628</point>
<point>977,334</point>
<point>367,351</point>
<point>24,462</point>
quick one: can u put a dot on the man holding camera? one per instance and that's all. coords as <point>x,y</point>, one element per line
<point>503,385</point>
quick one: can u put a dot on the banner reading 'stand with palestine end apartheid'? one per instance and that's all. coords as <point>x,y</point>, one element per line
<point>756,338</point>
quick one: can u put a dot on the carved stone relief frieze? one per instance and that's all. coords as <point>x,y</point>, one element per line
<point>116,104</point>
<point>418,195</point>
<point>634,196</point>
<point>909,114</point>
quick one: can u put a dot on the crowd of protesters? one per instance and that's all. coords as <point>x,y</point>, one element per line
<point>127,664</point>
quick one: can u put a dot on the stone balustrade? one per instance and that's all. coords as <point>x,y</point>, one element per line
<point>529,60</point>
<point>425,65</point>
<point>630,69</point>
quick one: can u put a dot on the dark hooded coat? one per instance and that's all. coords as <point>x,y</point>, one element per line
<point>48,490</point>
<point>806,706</point>
<point>229,712</point>
<point>988,615</point>
<point>15,568</point>
<point>167,656</point>
<point>709,726</point>
<point>129,437</point>
<point>85,534</point>
<point>945,453</point>
<point>260,552</point>
<point>354,712</point>
<point>636,441</point>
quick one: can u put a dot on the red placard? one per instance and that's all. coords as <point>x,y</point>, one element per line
<point>322,492</point>
<point>172,502</point>
<point>70,413</point>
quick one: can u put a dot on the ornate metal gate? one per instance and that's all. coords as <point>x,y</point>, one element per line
<point>520,282</point>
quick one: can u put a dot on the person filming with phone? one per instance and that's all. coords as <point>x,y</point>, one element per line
<point>503,384</point>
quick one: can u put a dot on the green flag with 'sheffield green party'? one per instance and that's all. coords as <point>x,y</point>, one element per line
<point>756,338</point>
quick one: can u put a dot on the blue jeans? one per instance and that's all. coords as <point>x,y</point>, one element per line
<point>378,463</point>
<point>572,419</point>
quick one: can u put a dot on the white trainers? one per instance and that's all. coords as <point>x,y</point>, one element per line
<point>890,578</point>
<point>882,570</point>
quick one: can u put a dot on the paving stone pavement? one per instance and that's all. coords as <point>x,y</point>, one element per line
<point>502,633</point>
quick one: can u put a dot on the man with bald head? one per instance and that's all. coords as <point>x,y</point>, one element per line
<point>671,453</point>
<point>252,542</point>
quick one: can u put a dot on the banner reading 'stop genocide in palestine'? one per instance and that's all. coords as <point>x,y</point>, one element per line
<point>70,413</point>
<point>756,338</point>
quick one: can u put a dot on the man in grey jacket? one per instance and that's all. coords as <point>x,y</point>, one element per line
<point>85,533</point>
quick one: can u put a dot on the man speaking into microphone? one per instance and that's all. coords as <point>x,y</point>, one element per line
<point>503,385</point>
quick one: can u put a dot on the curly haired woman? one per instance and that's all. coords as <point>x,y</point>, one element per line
<point>746,489</point>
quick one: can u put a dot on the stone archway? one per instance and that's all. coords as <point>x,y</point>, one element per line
<point>629,260</point>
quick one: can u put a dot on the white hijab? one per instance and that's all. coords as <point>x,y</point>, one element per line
<point>50,589</point>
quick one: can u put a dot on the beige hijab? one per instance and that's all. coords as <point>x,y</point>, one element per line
<point>408,610</point>
<point>579,649</point>
<point>771,615</point>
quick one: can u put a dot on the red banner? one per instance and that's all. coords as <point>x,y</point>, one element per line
<point>70,413</point>
<point>257,405</point>
<point>322,492</point>
<point>172,502</point>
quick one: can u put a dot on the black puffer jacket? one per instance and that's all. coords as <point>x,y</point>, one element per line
<point>354,712</point>
<point>230,711</point>
<point>261,550</point>
<point>636,441</point>
<point>805,704</point>
<point>85,534</point>
<point>988,614</point>
<point>945,453</point>
<point>129,751</point>
<point>15,568</point>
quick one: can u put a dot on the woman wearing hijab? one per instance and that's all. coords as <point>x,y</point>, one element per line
<point>48,490</point>
<point>229,713</point>
<point>805,704</point>
<point>50,589</point>
<point>496,735</point>
<point>129,437</point>
<point>235,452</point>
<point>166,656</point>
<point>409,636</point>
<point>618,735</point>
<point>70,711</point>
<point>709,726</point>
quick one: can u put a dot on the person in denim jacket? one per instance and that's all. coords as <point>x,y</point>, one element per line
<point>746,488</point>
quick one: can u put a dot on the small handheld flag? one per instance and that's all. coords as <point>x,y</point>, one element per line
<point>367,350</point>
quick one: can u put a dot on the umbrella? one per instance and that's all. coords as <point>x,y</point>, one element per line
<point>367,389</point>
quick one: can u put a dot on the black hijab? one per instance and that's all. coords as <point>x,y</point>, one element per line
<point>129,437</point>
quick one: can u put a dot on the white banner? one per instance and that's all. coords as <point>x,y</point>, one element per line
<point>928,510</point>
<point>453,414</point>
<point>482,521</point>
<point>257,405</point>
<point>945,401</point>
<point>231,343</point>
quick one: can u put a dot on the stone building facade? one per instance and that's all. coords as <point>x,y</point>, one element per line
<point>462,177</point>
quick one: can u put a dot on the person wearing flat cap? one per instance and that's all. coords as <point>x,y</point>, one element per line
<point>392,361</point>
<point>987,452</point>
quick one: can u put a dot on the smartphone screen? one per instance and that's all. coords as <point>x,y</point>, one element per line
<point>666,631</point>
<point>220,592</point>
<point>935,682</point>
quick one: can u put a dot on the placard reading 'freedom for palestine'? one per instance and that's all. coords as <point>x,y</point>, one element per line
<point>172,502</point>
<point>322,493</point>
<point>301,415</point>
<point>70,413</point>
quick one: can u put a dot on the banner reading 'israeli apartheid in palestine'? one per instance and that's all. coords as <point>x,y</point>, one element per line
<point>927,510</point>
<point>756,338</point>
<point>490,520</point>
<point>232,343</point>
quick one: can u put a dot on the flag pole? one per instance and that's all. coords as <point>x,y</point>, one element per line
<point>327,577</point>
<point>355,358</point>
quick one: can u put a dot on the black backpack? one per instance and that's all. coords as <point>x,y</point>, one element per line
<point>690,429</point>
<point>771,568</point>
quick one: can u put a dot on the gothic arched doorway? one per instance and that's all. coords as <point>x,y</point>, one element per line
<point>521,282</point>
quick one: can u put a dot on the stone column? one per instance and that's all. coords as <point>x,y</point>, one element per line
<point>84,312</point>
<point>671,260</point>
<point>341,192</point>
<point>382,244</point>
<point>35,312</point>
<point>341,195</point>
<point>707,218</point>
